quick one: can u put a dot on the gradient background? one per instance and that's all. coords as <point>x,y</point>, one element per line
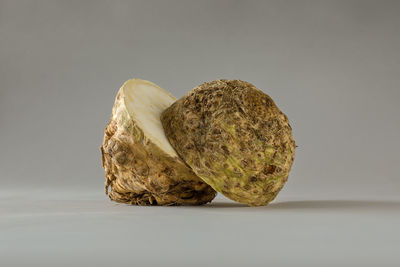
<point>332,66</point>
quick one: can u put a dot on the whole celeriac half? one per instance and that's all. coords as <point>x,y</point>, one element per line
<point>234,137</point>
<point>141,166</point>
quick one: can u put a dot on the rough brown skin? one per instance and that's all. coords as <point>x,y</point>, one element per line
<point>234,137</point>
<point>139,172</point>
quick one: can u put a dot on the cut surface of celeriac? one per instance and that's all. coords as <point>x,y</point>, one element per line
<point>145,102</point>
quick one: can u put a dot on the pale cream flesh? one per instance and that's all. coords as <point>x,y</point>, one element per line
<point>145,102</point>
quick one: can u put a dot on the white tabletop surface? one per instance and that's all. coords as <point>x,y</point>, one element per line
<point>65,228</point>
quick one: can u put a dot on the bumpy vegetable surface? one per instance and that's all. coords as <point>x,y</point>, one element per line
<point>234,137</point>
<point>141,167</point>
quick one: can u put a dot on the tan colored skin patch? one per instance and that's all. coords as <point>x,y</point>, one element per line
<point>234,137</point>
<point>139,172</point>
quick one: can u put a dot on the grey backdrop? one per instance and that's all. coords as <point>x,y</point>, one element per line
<point>332,66</point>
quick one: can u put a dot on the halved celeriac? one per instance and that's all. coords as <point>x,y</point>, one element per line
<point>141,166</point>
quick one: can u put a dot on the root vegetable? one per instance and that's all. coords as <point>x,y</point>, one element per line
<point>234,137</point>
<point>141,166</point>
